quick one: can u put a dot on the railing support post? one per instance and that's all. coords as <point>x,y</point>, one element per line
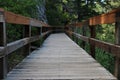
<point>70,35</point>
<point>39,32</point>
<point>76,39</point>
<point>27,33</point>
<point>84,34</point>
<point>3,60</point>
<point>92,45</point>
<point>117,36</point>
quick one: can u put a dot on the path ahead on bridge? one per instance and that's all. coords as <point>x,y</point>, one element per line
<point>59,58</point>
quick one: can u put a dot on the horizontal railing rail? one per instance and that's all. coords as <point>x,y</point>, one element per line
<point>107,18</point>
<point>13,18</point>
<point>20,43</point>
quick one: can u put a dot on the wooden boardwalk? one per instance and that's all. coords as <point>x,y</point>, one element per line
<point>59,58</point>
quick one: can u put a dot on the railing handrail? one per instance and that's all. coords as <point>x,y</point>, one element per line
<point>10,17</point>
<point>105,18</point>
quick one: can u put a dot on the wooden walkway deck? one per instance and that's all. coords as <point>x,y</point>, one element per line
<point>59,58</point>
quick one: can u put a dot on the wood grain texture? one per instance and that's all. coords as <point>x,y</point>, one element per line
<point>117,41</point>
<point>13,18</point>
<point>103,19</point>
<point>59,58</point>
<point>16,19</point>
<point>3,43</point>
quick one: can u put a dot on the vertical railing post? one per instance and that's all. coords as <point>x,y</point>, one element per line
<point>77,40</point>
<point>3,43</point>
<point>68,29</point>
<point>84,34</point>
<point>27,33</point>
<point>41,30</point>
<point>75,30</point>
<point>117,36</point>
<point>92,45</point>
<point>38,31</point>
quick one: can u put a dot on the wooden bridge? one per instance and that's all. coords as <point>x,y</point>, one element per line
<point>58,57</point>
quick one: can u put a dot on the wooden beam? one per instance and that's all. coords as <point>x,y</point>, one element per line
<point>2,51</point>
<point>3,59</point>
<point>117,36</point>
<point>84,38</point>
<point>35,23</point>
<point>26,33</point>
<point>106,18</point>
<point>82,24</point>
<point>84,34</point>
<point>20,43</point>
<point>92,35</point>
<point>16,19</point>
<point>102,19</point>
<point>44,24</point>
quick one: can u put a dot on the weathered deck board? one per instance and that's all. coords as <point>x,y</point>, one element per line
<point>59,58</point>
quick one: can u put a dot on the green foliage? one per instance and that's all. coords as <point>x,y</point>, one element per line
<point>14,32</point>
<point>106,33</point>
<point>23,7</point>
<point>106,59</point>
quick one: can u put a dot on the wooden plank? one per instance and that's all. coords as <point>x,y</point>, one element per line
<point>20,43</point>
<point>102,19</point>
<point>3,58</point>
<point>2,51</point>
<point>117,36</point>
<point>82,24</point>
<point>44,24</point>
<point>84,38</point>
<point>106,18</point>
<point>16,45</point>
<point>26,33</point>
<point>92,35</point>
<point>1,68</point>
<point>84,34</point>
<point>78,24</point>
<point>2,19</point>
<point>66,60</point>
<point>16,19</point>
<point>13,18</point>
<point>35,23</point>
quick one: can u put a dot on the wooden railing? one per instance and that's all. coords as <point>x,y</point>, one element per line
<point>110,17</point>
<point>7,48</point>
